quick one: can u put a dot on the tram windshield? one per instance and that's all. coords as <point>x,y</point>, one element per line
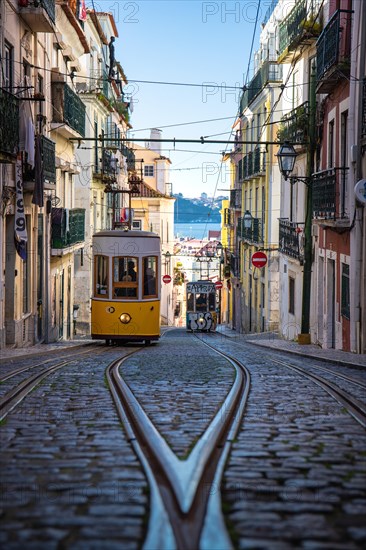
<point>125,277</point>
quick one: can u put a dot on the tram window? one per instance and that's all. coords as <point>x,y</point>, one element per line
<point>101,276</point>
<point>125,277</point>
<point>212,301</point>
<point>201,302</point>
<point>149,276</point>
<point>190,303</point>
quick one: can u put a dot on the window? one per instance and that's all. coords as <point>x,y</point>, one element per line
<point>149,170</point>
<point>344,161</point>
<point>345,306</point>
<point>190,306</point>
<point>212,301</point>
<point>201,302</point>
<point>125,277</point>
<point>40,91</point>
<point>331,145</point>
<point>291,295</point>
<point>136,224</point>
<point>150,276</point>
<point>9,66</point>
<point>101,276</point>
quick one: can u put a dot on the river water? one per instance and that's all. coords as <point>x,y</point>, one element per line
<point>195,230</point>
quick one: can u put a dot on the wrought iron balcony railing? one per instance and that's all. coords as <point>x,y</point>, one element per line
<point>269,72</point>
<point>49,159</point>
<point>333,50</point>
<point>300,25</point>
<point>254,163</point>
<point>49,163</point>
<point>9,126</point>
<point>290,235</point>
<point>329,194</point>
<point>68,107</point>
<point>67,227</point>
<point>254,233</point>
<point>235,199</point>
<point>294,126</point>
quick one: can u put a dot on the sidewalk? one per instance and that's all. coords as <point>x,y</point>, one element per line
<point>272,341</point>
<point>13,353</point>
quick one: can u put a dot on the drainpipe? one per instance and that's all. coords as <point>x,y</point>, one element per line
<point>358,232</point>
<point>308,246</point>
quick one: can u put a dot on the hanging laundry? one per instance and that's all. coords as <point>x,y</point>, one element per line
<point>20,226</point>
<point>82,11</point>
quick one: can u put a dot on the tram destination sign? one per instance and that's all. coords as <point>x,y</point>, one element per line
<point>259,259</point>
<point>200,287</point>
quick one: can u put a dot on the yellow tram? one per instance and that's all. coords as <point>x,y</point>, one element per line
<point>126,290</point>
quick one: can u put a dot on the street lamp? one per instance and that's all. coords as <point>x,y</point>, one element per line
<point>247,219</point>
<point>286,161</point>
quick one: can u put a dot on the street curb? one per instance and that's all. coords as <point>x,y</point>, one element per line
<point>30,352</point>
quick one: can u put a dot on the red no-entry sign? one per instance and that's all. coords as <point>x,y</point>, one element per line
<point>167,279</point>
<point>218,285</point>
<point>259,259</point>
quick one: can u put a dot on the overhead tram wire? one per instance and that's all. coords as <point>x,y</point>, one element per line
<point>237,113</point>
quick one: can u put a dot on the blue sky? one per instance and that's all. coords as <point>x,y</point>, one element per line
<point>186,42</point>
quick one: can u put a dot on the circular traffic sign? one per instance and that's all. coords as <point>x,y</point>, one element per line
<point>167,279</point>
<point>259,259</point>
<point>218,285</point>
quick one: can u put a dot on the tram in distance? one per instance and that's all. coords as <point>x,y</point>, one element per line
<point>125,304</point>
<point>201,306</point>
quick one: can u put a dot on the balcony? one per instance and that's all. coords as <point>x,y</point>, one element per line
<point>299,27</point>
<point>106,170</point>
<point>49,165</point>
<point>68,109</point>
<point>235,199</point>
<point>290,239</point>
<point>40,15</point>
<point>253,234</point>
<point>333,50</point>
<point>329,195</point>
<point>9,127</point>
<point>130,157</point>
<point>254,164</point>
<point>67,228</point>
<point>294,126</point>
<point>269,72</point>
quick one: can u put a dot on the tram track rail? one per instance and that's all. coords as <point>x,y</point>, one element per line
<point>18,393</point>
<point>350,403</point>
<point>20,370</point>
<point>354,406</point>
<point>188,511</point>
<point>15,395</point>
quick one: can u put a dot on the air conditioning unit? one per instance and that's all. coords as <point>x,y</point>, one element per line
<point>136,225</point>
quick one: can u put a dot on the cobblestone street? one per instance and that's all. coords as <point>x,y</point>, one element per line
<point>295,477</point>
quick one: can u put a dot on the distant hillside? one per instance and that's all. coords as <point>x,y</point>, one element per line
<point>195,211</point>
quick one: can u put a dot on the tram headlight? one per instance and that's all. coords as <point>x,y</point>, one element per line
<point>125,318</point>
